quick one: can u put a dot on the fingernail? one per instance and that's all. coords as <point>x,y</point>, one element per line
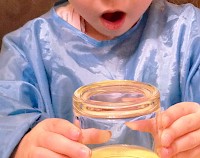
<point>109,134</point>
<point>85,152</point>
<point>131,125</point>
<point>165,153</point>
<point>75,133</point>
<point>106,136</point>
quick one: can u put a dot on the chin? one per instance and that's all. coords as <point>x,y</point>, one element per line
<point>115,34</point>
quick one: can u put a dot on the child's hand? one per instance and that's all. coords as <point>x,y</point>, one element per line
<point>58,138</point>
<point>179,130</point>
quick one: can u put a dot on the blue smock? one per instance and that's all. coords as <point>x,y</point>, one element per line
<point>45,61</point>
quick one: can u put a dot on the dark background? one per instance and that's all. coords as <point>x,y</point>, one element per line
<point>14,13</point>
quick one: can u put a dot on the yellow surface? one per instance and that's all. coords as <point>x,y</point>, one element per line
<point>122,151</point>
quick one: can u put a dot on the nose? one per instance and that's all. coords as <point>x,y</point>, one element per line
<point>112,3</point>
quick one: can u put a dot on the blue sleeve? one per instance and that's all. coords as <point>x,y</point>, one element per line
<point>21,103</point>
<point>191,59</point>
<point>192,85</point>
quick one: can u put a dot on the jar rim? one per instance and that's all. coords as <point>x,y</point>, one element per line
<point>142,99</point>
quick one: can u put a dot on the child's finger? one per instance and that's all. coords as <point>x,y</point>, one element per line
<point>77,123</point>
<point>61,145</point>
<point>188,142</point>
<point>187,146</point>
<point>175,112</point>
<point>43,152</point>
<point>148,125</point>
<point>95,136</point>
<point>194,153</point>
<point>181,127</point>
<point>62,127</point>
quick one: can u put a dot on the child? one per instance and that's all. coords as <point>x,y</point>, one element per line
<point>84,41</point>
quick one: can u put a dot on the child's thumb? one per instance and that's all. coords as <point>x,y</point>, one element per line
<point>143,125</point>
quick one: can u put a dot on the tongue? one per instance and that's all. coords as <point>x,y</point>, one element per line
<point>113,17</point>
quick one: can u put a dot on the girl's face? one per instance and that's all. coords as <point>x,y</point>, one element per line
<point>106,19</point>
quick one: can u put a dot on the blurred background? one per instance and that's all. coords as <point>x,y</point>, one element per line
<point>195,2</point>
<point>14,13</point>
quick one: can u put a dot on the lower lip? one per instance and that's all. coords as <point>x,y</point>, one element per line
<point>113,25</point>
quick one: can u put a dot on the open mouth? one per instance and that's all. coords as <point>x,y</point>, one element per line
<point>113,17</point>
<point>113,20</point>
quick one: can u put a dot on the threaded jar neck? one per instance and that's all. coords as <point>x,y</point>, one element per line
<point>116,99</point>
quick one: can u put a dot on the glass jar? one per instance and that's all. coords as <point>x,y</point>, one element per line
<point>108,105</point>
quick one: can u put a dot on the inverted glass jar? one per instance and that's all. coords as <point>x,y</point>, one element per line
<point>110,104</point>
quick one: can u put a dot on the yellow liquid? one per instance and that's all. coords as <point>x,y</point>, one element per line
<point>122,151</point>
